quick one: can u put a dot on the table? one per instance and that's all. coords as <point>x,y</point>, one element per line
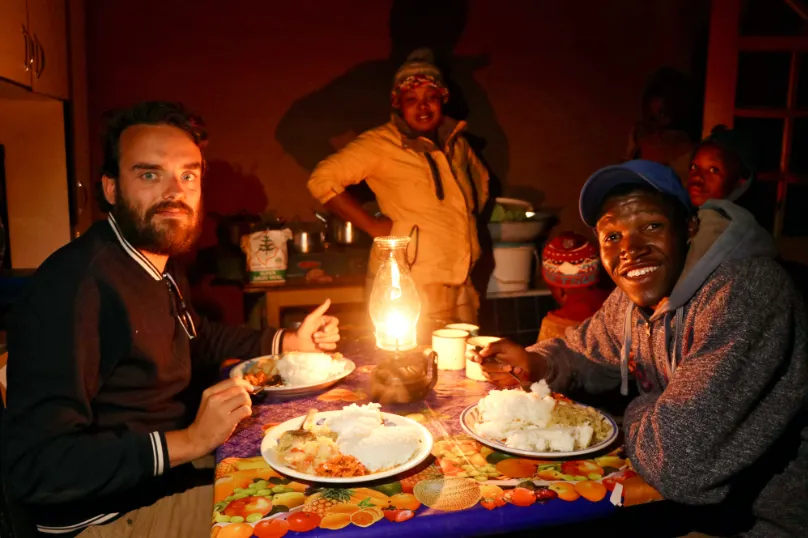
<point>491,492</point>
<point>300,292</point>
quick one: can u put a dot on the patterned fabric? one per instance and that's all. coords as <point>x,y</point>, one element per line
<point>464,489</point>
<point>570,261</point>
<point>416,81</point>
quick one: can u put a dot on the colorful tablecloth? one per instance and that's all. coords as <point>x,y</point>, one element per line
<point>465,489</point>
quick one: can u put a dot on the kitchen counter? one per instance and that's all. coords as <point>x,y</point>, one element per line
<point>298,292</point>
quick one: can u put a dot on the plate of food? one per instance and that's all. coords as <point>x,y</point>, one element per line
<point>537,425</point>
<point>294,373</point>
<point>358,443</point>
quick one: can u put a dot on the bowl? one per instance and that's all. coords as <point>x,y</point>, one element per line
<point>520,232</point>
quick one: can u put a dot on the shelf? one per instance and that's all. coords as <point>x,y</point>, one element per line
<point>773,43</point>
<point>524,293</point>
<point>768,113</point>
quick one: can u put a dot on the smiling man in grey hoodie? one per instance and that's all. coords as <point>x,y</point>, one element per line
<point>714,334</point>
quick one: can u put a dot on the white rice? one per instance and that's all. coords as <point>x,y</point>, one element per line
<point>308,368</point>
<point>361,434</point>
<point>505,411</point>
<point>524,421</point>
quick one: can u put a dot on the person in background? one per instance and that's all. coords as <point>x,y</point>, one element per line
<point>718,349</point>
<point>427,181</point>
<point>667,132</point>
<point>571,268</point>
<point>100,431</point>
<point>722,167</point>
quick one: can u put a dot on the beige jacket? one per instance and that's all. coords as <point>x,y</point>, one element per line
<point>444,244</point>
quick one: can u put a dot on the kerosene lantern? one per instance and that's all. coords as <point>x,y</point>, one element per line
<point>404,373</point>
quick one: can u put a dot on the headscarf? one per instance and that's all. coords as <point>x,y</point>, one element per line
<point>418,70</point>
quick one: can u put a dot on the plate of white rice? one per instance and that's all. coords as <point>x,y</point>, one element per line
<point>384,443</point>
<point>300,373</point>
<point>534,424</point>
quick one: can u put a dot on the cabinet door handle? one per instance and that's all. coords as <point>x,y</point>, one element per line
<point>83,198</point>
<point>40,57</point>
<point>26,64</point>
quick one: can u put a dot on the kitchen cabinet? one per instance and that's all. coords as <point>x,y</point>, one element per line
<point>16,57</point>
<point>33,45</point>
<point>45,163</point>
<point>48,25</point>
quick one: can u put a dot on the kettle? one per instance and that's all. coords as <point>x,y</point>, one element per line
<point>404,377</point>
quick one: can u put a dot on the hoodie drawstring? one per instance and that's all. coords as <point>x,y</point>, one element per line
<point>677,332</point>
<point>626,351</point>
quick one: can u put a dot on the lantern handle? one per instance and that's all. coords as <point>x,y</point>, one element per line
<point>417,231</point>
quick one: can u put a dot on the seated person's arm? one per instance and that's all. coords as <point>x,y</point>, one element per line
<point>739,385</point>
<point>588,357</point>
<point>53,451</point>
<point>216,342</point>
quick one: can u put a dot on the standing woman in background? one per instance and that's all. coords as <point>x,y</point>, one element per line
<point>429,185</point>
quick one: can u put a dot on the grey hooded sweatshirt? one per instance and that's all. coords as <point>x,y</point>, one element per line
<point>722,372</point>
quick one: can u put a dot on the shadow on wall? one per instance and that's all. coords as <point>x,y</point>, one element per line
<point>229,190</point>
<point>360,99</point>
<point>230,194</point>
<point>322,122</point>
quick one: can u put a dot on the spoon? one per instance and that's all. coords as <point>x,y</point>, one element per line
<point>477,350</point>
<point>302,434</point>
<point>258,390</point>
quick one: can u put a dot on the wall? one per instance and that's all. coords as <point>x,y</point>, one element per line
<point>552,86</point>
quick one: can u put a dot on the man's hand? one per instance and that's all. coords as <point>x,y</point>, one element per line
<point>222,407</point>
<point>501,358</point>
<point>318,332</point>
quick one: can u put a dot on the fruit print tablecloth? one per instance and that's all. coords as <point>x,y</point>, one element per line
<point>465,489</point>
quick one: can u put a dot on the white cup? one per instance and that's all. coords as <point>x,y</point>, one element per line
<point>474,370</point>
<point>450,345</point>
<point>470,328</point>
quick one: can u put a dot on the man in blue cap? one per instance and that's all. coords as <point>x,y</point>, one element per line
<point>716,340</point>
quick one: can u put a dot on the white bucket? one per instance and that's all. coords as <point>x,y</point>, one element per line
<point>513,267</point>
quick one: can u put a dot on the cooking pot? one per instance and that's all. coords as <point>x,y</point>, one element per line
<point>341,232</point>
<point>306,241</point>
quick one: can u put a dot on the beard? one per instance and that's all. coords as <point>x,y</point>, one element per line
<point>169,237</point>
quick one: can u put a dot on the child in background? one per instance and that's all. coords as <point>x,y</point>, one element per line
<point>722,167</point>
<point>571,267</point>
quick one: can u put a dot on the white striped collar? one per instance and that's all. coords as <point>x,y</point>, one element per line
<point>134,253</point>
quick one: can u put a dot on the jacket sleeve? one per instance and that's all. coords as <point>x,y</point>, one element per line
<point>479,174</point>
<point>588,357</point>
<point>52,453</point>
<point>738,387</point>
<point>348,166</point>
<point>216,342</point>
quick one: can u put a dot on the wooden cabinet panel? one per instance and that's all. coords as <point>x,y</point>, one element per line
<point>48,26</point>
<point>33,132</point>
<point>15,42</point>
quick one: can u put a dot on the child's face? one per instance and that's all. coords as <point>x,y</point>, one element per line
<point>711,176</point>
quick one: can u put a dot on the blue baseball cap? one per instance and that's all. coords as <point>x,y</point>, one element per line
<point>638,172</point>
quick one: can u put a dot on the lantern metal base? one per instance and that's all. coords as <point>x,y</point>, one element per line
<point>403,376</point>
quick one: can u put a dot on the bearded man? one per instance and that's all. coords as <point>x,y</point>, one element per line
<point>99,422</point>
